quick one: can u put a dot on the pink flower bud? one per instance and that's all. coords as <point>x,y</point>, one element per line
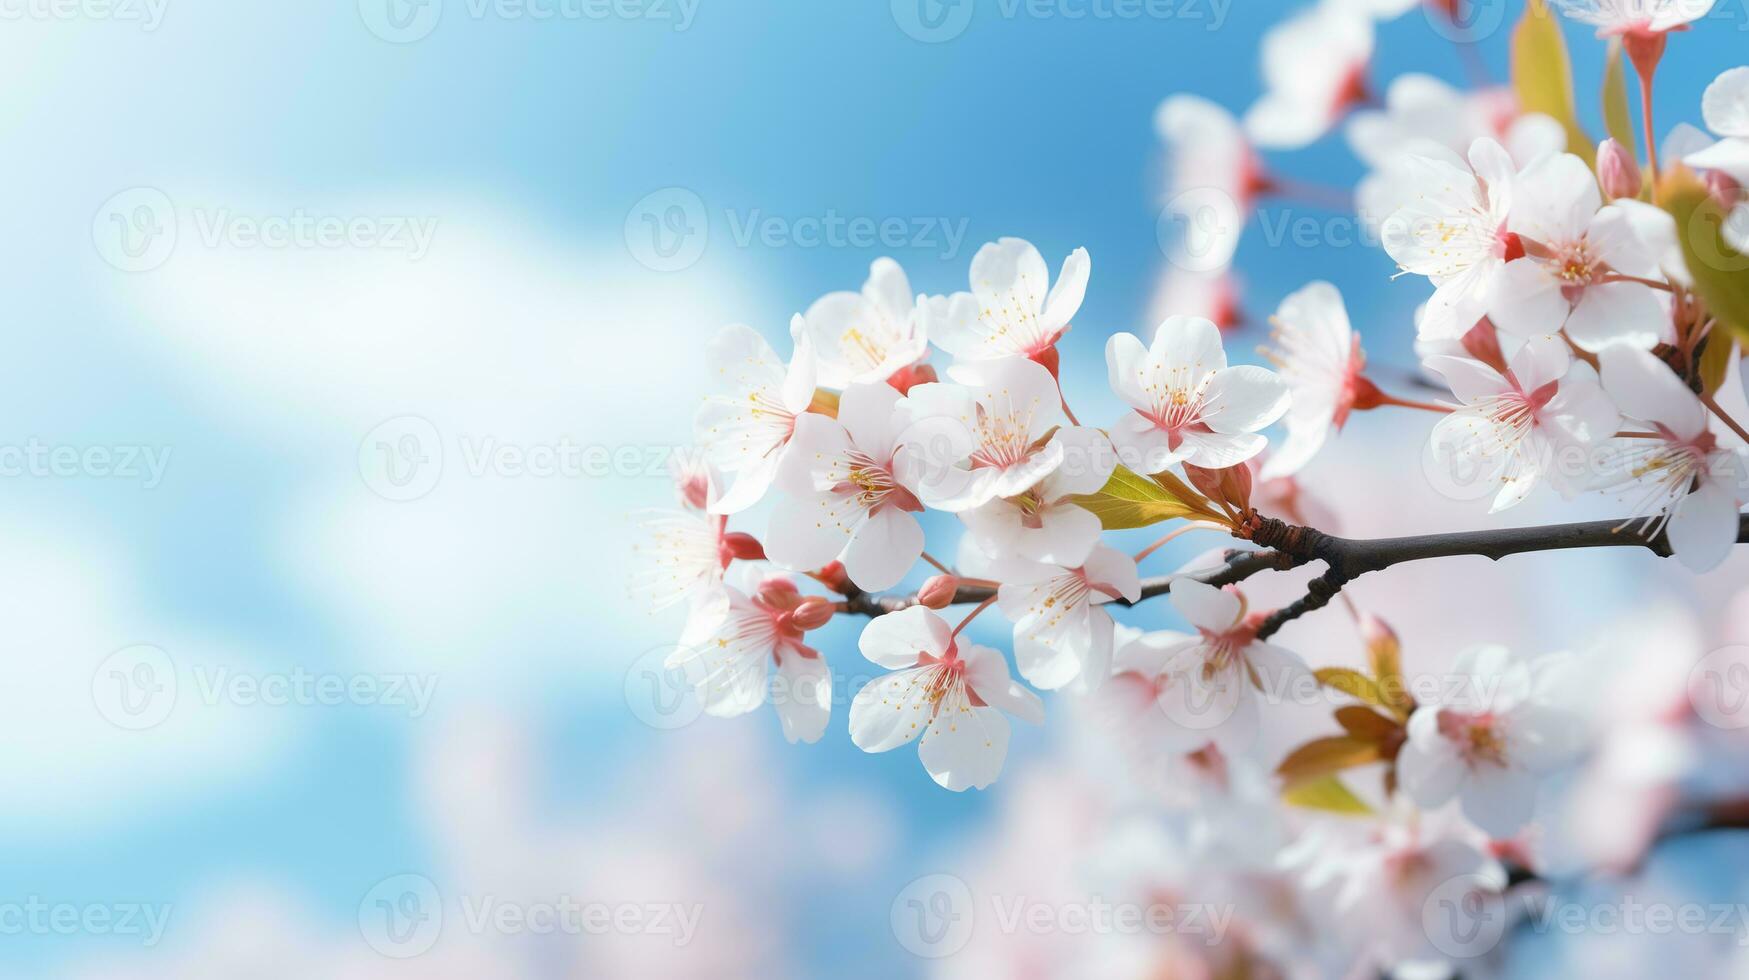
<point>832,577</point>
<point>778,592</point>
<point>744,546</point>
<point>1616,170</point>
<point>813,613</point>
<point>938,592</point>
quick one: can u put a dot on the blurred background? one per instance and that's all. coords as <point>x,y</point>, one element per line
<point>347,336</point>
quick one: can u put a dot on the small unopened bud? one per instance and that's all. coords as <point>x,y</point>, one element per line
<point>1616,170</point>
<point>1482,342</point>
<point>813,613</point>
<point>832,576</point>
<point>744,546</point>
<point>778,592</point>
<point>938,592</point>
<point>907,378</point>
<point>1724,188</point>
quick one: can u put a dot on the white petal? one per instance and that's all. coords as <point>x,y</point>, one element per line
<point>1088,462</point>
<point>1126,368</point>
<point>1469,379</point>
<point>1148,653</point>
<point>1210,705</point>
<point>1580,410</point>
<point>1244,398</point>
<point>987,674</point>
<point>1205,606</point>
<point>1645,388</point>
<point>952,324</point>
<point>1109,566</point>
<point>1217,450</point>
<point>1144,447</point>
<point>1427,766</point>
<point>815,460</point>
<point>866,412</point>
<point>1065,297</point>
<point>1703,526</point>
<point>1185,345</point>
<point>1499,800</point>
<point>964,747</point>
<point>898,639</point>
<point>1726,156</point>
<point>883,549</point>
<point>808,532</point>
<point>1065,536</point>
<point>799,380</point>
<point>1725,105</point>
<point>804,697</point>
<point>750,485</point>
<point>888,288</point>
<point>1624,313</point>
<point>1524,298</point>
<point>1540,360</point>
<point>1283,674</point>
<point>892,710</point>
<point>1010,270</point>
<point>1554,200</point>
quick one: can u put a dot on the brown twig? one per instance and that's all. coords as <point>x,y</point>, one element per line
<point>1284,546</point>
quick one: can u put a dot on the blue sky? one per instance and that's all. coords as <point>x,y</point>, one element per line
<point>527,142</point>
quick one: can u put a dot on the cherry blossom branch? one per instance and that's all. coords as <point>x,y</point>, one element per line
<point>1348,559</point>
<point>1286,546</point>
<point>1236,566</point>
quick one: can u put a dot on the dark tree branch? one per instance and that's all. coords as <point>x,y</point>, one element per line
<point>1284,546</point>
<point>1236,566</point>
<point>1348,558</point>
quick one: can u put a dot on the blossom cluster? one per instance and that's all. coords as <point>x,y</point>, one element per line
<point>1582,316</point>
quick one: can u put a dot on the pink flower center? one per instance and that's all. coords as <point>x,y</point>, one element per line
<point>1480,736</point>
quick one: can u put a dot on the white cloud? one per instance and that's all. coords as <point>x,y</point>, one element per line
<point>98,732</point>
<point>499,337</point>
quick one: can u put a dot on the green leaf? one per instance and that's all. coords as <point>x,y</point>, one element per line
<point>1616,118</point>
<point>1323,756</point>
<point>1366,724</point>
<point>1542,77</point>
<point>1129,500</point>
<point>1715,361</point>
<point>1325,793</point>
<point>1352,683</point>
<point>1384,653</point>
<point>1721,273</point>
